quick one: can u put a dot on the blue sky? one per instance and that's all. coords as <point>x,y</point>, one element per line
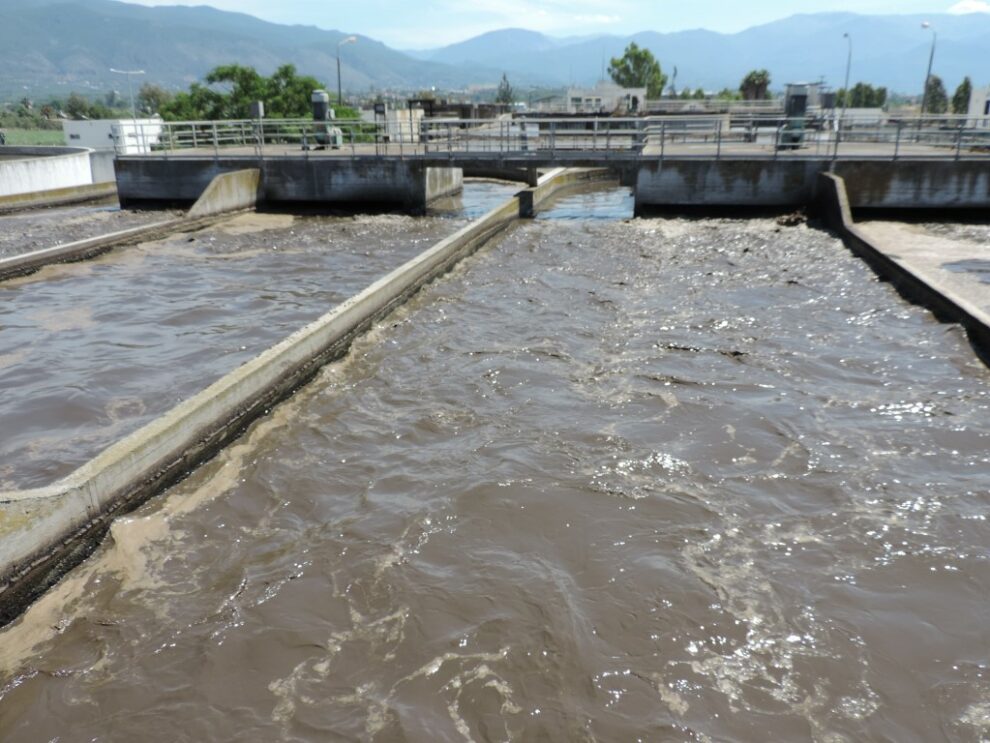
<point>430,23</point>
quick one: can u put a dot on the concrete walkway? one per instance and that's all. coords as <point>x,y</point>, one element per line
<point>955,268</point>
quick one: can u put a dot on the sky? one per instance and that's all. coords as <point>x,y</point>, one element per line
<point>431,23</point>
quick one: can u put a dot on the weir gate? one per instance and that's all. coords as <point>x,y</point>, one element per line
<point>937,162</point>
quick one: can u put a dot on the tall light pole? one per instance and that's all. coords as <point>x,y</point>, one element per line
<point>130,87</point>
<point>348,40</point>
<point>928,75</point>
<point>849,61</point>
<point>845,98</point>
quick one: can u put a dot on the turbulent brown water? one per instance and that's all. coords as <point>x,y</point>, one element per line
<point>89,351</point>
<point>656,479</point>
<point>37,229</point>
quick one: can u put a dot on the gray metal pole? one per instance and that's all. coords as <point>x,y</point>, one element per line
<point>340,99</point>
<point>130,89</point>
<point>928,75</point>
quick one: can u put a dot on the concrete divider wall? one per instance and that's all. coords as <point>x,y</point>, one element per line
<point>101,165</point>
<point>45,530</point>
<point>228,192</point>
<point>36,169</point>
<point>441,182</point>
<point>834,206</point>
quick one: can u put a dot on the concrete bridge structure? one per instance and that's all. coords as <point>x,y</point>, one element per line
<point>668,161</point>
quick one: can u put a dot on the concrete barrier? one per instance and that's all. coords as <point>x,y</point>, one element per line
<point>57,197</point>
<point>45,531</point>
<point>228,192</point>
<point>918,286</point>
<point>32,169</point>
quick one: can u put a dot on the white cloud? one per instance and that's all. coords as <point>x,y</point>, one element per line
<point>970,6</point>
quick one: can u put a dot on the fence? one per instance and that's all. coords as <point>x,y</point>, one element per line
<point>745,136</point>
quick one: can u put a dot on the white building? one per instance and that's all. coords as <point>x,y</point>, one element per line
<point>979,108</point>
<point>123,136</point>
<point>605,97</point>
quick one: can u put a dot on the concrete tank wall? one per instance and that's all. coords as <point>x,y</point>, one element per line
<point>727,183</point>
<point>875,184</point>
<point>914,184</point>
<point>34,169</point>
<point>398,183</point>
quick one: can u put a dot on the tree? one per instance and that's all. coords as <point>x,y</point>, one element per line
<point>77,107</point>
<point>638,68</point>
<point>960,99</point>
<point>755,86</point>
<point>285,94</point>
<point>862,95</point>
<point>153,98</point>
<point>936,99</point>
<point>505,94</point>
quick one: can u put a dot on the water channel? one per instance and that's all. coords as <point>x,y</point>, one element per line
<point>611,479</point>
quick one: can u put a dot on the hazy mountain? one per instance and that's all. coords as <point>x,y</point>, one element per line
<point>72,44</point>
<point>887,50</point>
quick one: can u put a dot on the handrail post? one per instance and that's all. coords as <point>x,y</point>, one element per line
<point>216,144</point>
<point>718,139</point>
<point>897,139</point>
<point>663,138</point>
<point>959,134</point>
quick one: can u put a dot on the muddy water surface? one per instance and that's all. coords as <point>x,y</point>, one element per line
<point>37,229</point>
<point>89,351</point>
<point>611,480</point>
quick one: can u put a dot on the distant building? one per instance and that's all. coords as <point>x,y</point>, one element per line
<point>605,97</point>
<point>979,108</point>
<point>123,136</point>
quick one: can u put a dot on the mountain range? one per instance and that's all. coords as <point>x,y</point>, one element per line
<point>48,45</point>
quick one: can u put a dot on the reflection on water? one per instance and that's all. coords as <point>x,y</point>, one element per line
<point>658,479</point>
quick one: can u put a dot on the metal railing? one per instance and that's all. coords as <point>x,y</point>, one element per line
<point>751,136</point>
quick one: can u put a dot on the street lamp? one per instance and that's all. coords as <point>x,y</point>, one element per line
<point>928,75</point>
<point>845,97</point>
<point>348,40</point>
<point>130,87</point>
<point>849,61</point>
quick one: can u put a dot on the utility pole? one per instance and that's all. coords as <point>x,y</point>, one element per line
<point>340,95</point>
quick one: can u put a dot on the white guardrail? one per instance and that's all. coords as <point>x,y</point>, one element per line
<point>603,138</point>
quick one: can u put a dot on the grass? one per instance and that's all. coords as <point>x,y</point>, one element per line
<point>34,137</point>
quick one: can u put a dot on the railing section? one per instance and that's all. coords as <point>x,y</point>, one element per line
<point>744,135</point>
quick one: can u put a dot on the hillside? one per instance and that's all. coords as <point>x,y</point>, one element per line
<point>74,43</point>
<point>888,50</point>
<point>51,45</point>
